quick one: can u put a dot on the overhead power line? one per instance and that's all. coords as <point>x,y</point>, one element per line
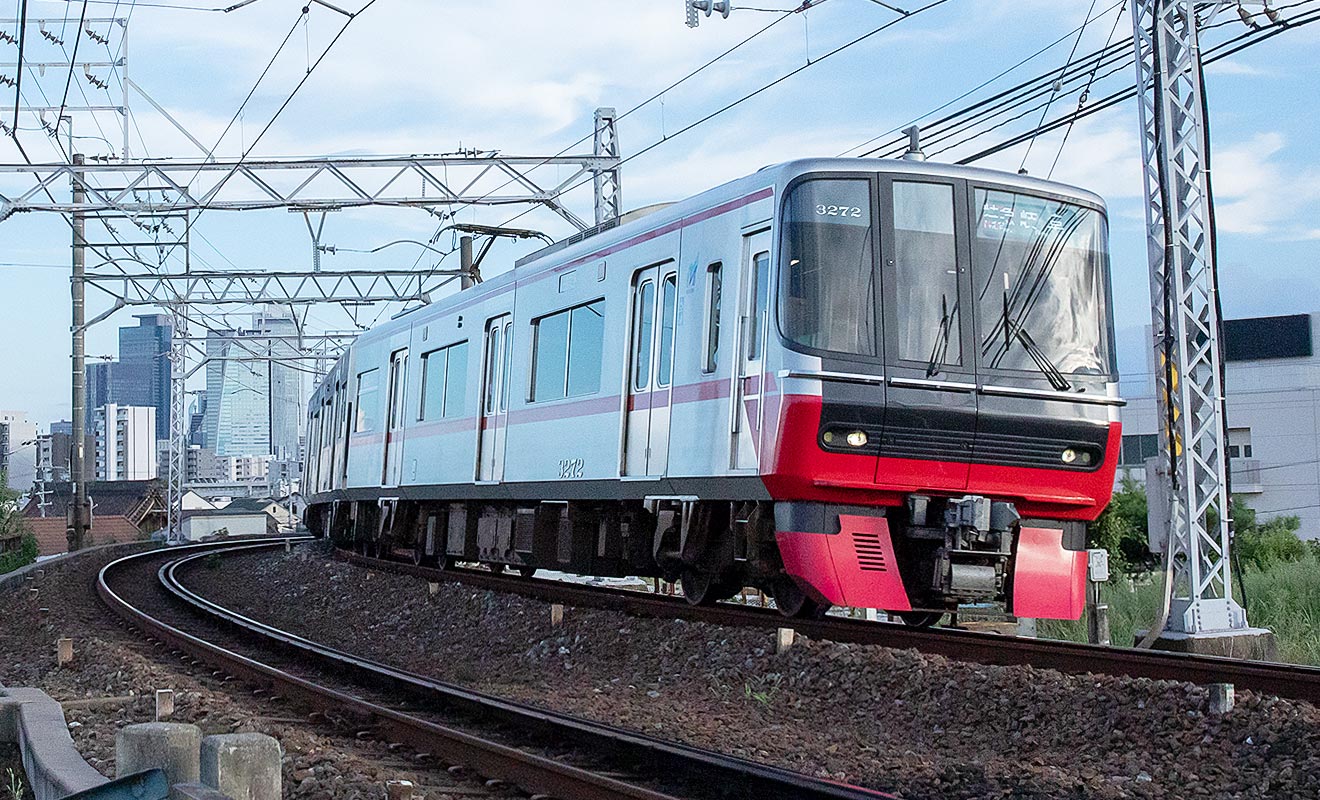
<point>754,93</point>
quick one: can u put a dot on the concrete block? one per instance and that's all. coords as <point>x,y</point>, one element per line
<point>244,766</point>
<point>556,615</point>
<point>1026,626</point>
<point>63,651</point>
<point>171,746</point>
<point>164,704</point>
<point>784,639</point>
<point>1221,698</point>
<point>1251,644</point>
<point>432,588</point>
<point>399,790</point>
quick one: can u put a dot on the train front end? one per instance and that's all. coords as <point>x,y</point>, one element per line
<point>948,396</point>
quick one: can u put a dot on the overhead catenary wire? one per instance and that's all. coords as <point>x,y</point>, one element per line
<point>754,93</point>
<point>1085,95</point>
<point>1086,21</point>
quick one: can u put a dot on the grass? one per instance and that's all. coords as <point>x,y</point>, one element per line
<point>1284,598</point>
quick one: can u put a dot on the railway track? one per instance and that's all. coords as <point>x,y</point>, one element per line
<point>542,752</point>
<point>1282,680</point>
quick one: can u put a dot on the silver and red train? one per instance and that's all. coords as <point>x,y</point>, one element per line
<point>884,384</point>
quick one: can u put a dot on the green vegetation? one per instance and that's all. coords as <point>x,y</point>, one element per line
<point>1281,574</point>
<point>15,787</point>
<point>11,525</point>
<point>24,555</point>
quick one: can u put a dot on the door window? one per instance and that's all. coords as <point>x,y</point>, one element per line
<point>668,307</point>
<point>643,321</point>
<point>926,274</point>
<point>760,295</point>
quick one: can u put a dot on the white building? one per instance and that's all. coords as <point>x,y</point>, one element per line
<point>18,450</point>
<point>1272,385</point>
<point>125,443</point>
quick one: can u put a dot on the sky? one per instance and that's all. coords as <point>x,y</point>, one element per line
<point>524,77</point>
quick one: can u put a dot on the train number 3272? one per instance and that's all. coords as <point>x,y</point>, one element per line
<point>570,468</point>
<point>839,211</point>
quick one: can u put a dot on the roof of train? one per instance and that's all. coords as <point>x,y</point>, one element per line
<point>596,239</point>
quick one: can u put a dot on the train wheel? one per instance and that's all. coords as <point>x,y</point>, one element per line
<point>793,602</point>
<point>698,587</point>
<point>527,570</point>
<point>920,619</point>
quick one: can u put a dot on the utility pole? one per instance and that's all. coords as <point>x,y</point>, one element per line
<point>1190,503</point>
<point>79,523</point>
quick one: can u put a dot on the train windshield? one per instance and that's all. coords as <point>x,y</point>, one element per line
<point>828,291</point>
<point>1038,270</point>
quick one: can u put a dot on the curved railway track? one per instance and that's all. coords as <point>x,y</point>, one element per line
<point>545,753</point>
<point>1282,680</point>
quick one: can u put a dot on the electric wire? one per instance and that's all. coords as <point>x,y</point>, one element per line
<point>1086,21</point>
<point>1085,95</point>
<point>750,95</point>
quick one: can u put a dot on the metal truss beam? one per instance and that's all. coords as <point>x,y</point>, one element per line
<point>1185,317</point>
<point>279,288</point>
<point>155,186</point>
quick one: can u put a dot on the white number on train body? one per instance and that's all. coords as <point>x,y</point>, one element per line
<point>839,211</point>
<point>570,468</point>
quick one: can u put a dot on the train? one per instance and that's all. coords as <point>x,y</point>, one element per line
<point>845,382</point>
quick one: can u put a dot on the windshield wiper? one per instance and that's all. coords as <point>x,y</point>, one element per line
<point>941,348</point>
<point>1043,363</point>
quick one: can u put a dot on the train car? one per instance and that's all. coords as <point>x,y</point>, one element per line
<point>883,384</point>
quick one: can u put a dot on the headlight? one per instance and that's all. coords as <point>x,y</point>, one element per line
<point>857,439</point>
<point>1069,456</point>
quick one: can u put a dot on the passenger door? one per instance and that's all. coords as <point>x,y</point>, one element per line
<point>753,321</point>
<point>650,369</point>
<point>494,398</point>
<point>930,420</point>
<point>394,418</point>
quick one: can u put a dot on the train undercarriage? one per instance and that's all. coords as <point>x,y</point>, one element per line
<point>944,551</point>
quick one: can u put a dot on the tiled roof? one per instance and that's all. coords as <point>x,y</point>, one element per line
<point>52,537</point>
<point>133,500</point>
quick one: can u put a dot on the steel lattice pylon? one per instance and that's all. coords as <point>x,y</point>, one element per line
<point>178,449</point>
<point>1185,317</point>
<point>609,197</point>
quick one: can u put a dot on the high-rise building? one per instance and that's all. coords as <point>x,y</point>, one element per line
<point>99,385</point>
<point>53,455</point>
<point>253,407</point>
<point>142,376</point>
<point>125,443</point>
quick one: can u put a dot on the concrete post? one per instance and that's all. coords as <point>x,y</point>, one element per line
<point>244,766</point>
<point>784,638</point>
<point>556,615</point>
<point>1026,626</point>
<point>170,746</point>
<point>164,704</point>
<point>1221,698</point>
<point>432,588</point>
<point>399,790</point>
<point>63,652</point>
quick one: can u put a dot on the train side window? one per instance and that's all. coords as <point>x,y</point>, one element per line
<point>368,401</point>
<point>760,295</point>
<point>668,305</point>
<point>444,382</point>
<point>456,380</point>
<point>926,273</point>
<point>567,352</point>
<point>714,292</point>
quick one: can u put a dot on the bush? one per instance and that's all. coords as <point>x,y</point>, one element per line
<point>24,555</point>
<point>1121,530</point>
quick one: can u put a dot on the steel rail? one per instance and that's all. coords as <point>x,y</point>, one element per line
<point>726,776</point>
<point>1281,680</point>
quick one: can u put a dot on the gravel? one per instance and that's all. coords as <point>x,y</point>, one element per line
<point>916,725</point>
<point>114,675</point>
